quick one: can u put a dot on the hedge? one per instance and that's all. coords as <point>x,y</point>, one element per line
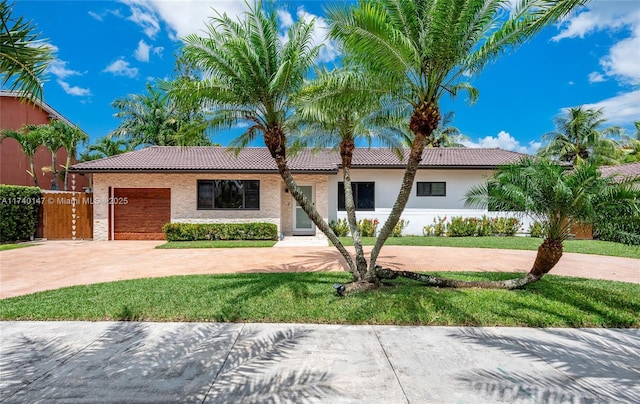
<point>220,231</point>
<point>18,212</point>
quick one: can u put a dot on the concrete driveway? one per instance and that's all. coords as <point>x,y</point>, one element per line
<point>55,264</point>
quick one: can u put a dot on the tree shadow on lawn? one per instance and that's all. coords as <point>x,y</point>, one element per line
<point>593,365</point>
<point>168,362</point>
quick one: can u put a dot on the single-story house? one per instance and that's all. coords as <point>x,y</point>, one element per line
<point>136,193</point>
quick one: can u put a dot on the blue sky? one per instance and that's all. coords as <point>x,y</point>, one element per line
<point>108,49</point>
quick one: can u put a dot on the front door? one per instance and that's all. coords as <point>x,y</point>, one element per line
<point>302,225</point>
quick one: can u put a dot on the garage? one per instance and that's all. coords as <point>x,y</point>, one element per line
<point>140,213</point>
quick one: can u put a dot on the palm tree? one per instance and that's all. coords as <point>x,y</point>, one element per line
<point>558,199</point>
<point>23,57</point>
<point>153,119</point>
<point>30,138</point>
<point>106,147</point>
<point>337,115</point>
<point>424,49</point>
<point>53,142</point>
<point>579,136</point>
<point>251,74</point>
<point>71,137</point>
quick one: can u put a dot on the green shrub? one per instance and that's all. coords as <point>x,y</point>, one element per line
<point>438,228</point>
<point>399,227</point>
<point>462,227</point>
<point>220,231</point>
<point>505,226</point>
<point>18,212</point>
<point>340,227</point>
<point>368,227</point>
<point>535,229</point>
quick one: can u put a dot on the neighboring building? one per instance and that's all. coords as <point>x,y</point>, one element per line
<point>137,192</point>
<point>629,170</point>
<point>15,113</point>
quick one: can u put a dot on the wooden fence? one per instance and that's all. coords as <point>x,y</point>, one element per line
<point>65,216</point>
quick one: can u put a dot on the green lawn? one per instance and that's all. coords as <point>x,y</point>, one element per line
<point>512,243</point>
<point>218,244</point>
<point>309,298</point>
<point>13,246</point>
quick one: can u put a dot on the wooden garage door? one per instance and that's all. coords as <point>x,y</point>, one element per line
<point>140,213</point>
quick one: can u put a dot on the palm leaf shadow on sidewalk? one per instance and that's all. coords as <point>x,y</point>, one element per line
<point>171,362</point>
<point>613,375</point>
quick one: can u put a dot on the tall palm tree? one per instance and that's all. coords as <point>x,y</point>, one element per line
<point>579,136</point>
<point>71,137</point>
<point>251,74</point>
<point>337,115</point>
<point>424,49</point>
<point>30,138</point>
<point>23,57</point>
<point>153,119</point>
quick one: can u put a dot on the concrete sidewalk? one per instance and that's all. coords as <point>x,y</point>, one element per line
<point>292,363</point>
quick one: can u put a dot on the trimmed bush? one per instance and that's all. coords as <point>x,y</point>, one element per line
<point>18,212</point>
<point>220,231</point>
<point>368,227</point>
<point>340,227</point>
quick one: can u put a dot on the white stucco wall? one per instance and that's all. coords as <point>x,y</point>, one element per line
<point>276,206</point>
<point>420,210</point>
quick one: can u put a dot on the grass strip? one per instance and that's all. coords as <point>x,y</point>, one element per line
<point>596,247</point>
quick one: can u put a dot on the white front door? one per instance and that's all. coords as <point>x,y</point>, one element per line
<point>302,225</point>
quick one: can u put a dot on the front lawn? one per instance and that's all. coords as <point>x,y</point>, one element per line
<point>218,244</point>
<point>554,301</point>
<point>509,243</point>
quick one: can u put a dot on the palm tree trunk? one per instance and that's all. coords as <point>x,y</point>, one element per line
<point>311,211</point>
<point>549,253</point>
<point>66,171</point>
<point>424,121</point>
<point>33,172</point>
<point>346,152</point>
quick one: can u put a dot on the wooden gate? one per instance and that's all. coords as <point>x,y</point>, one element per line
<point>65,216</point>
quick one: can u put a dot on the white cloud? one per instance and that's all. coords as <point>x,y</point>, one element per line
<point>614,16</point>
<point>144,15</point>
<point>121,68</point>
<point>595,77</point>
<point>622,110</point>
<point>59,69</point>
<point>74,90</point>
<point>188,17</point>
<point>143,51</point>
<point>286,20</point>
<point>571,83</point>
<point>96,16</point>
<point>623,60</point>
<point>503,141</point>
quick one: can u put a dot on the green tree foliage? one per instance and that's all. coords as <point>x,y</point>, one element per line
<point>251,72</point>
<point>23,56</point>
<point>580,135</point>
<point>30,138</point>
<point>154,119</point>
<point>424,49</point>
<point>558,198</point>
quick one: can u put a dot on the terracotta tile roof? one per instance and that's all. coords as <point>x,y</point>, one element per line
<point>622,170</point>
<point>253,159</point>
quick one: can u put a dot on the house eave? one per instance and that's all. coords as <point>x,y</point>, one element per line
<point>193,171</point>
